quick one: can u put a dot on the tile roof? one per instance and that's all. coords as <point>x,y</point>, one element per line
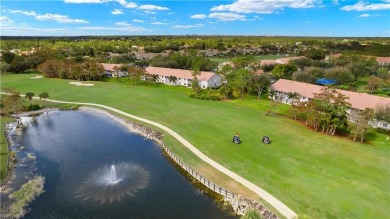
<point>268,62</point>
<point>109,67</point>
<point>357,100</point>
<point>286,60</point>
<point>179,73</point>
<point>383,59</point>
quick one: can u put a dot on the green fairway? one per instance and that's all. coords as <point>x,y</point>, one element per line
<point>312,173</point>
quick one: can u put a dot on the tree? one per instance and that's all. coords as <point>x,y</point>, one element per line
<point>29,95</point>
<point>341,75</point>
<point>13,102</point>
<point>241,79</point>
<point>361,119</point>
<point>283,71</point>
<point>374,83</point>
<point>43,95</point>
<point>172,79</point>
<point>382,113</point>
<point>353,86</point>
<point>293,96</point>
<point>304,76</point>
<point>195,82</point>
<point>4,67</point>
<point>260,83</point>
<point>316,72</point>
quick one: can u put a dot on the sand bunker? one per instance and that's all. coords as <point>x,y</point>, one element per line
<point>80,84</point>
<point>37,77</point>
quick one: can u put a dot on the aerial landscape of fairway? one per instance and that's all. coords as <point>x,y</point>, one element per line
<point>316,175</point>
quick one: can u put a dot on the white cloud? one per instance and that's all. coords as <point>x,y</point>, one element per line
<point>123,29</point>
<point>227,16</point>
<point>149,12</point>
<point>265,6</point>
<point>84,1</point>
<point>5,19</point>
<point>364,15</point>
<point>159,23</point>
<point>152,8</point>
<point>138,21</point>
<point>199,16</point>
<point>153,18</point>
<point>28,13</point>
<point>362,6</point>
<point>187,26</point>
<point>116,12</point>
<point>123,23</point>
<point>60,18</point>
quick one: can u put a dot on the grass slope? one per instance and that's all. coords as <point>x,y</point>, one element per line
<point>312,173</point>
<point>3,148</point>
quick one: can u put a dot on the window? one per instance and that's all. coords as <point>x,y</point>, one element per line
<point>385,125</point>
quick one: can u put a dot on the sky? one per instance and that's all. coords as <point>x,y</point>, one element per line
<point>340,18</point>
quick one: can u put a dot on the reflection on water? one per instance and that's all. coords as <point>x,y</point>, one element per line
<point>95,168</point>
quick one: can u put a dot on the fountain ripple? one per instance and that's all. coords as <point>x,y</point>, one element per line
<point>113,182</point>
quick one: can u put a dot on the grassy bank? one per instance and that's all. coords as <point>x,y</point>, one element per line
<point>312,173</point>
<point>24,196</point>
<point>3,148</point>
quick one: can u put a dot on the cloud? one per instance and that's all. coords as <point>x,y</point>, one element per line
<point>369,15</point>
<point>123,29</point>
<point>116,12</point>
<point>5,19</point>
<point>187,26</point>
<point>227,16</point>
<point>265,6</point>
<point>199,16</point>
<point>362,6</point>
<point>364,15</point>
<point>28,13</point>
<point>138,21</point>
<point>159,23</point>
<point>60,18</point>
<point>152,8</point>
<point>84,1</point>
<point>123,23</point>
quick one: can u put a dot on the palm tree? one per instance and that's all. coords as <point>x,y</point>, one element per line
<point>43,95</point>
<point>292,96</point>
<point>172,79</point>
<point>353,86</point>
<point>154,77</point>
<point>29,95</point>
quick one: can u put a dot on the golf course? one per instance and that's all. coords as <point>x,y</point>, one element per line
<point>314,174</point>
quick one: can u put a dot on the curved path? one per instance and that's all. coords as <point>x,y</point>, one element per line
<point>278,205</point>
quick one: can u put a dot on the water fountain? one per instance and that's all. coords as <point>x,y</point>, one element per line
<point>113,183</point>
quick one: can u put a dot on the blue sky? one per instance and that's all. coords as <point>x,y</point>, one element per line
<point>206,17</point>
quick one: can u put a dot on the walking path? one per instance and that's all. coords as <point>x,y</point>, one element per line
<point>278,205</point>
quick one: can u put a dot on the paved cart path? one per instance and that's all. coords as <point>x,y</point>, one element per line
<point>278,205</point>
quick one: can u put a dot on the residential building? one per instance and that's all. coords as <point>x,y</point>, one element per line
<point>113,70</point>
<point>383,60</point>
<point>184,77</point>
<point>358,101</point>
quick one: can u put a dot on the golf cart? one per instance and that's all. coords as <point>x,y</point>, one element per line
<point>236,139</point>
<point>266,140</point>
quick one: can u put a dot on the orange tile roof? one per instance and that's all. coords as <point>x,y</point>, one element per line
<point>268,62</point>
<point>109,67</point>
<point>179,73</point>
<point>383,59</point>
<point>358,100</point>
<point>286,60</point>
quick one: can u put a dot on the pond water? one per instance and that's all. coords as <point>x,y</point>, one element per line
<point>95,168</point>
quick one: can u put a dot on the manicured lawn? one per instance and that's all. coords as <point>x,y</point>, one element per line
<point>3,148</point>
<point>312,173</point>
